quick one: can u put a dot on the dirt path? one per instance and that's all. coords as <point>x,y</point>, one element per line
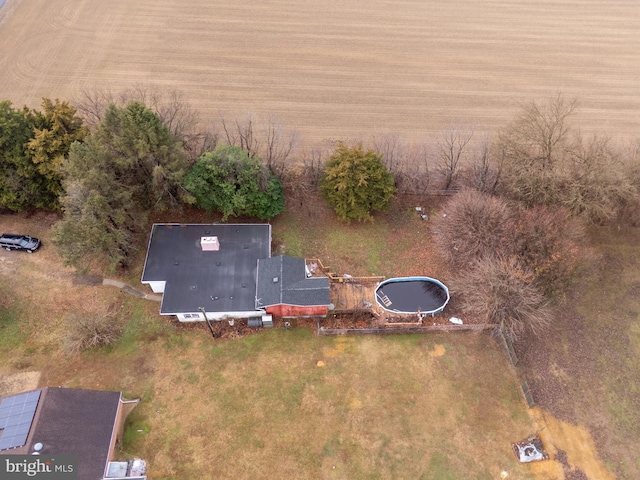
<point>126,288</point>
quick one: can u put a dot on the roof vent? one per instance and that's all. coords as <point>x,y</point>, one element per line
<point>275,279</point>
<point>209,244</point>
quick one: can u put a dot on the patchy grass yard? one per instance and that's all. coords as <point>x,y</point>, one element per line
<point>261,407</point>
<point>586,370</point>
<point>433,407</point>
<point>397,243</point>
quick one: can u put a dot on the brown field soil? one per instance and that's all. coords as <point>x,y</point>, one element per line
<point>336,69</point>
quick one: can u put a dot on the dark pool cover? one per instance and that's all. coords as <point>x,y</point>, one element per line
<point>412,296</point>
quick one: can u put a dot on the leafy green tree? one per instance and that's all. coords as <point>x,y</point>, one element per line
<point>228,180</point>
<point>356,183</point>
<point>129,166</point>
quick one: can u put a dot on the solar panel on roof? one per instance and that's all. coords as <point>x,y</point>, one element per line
<point>16,417</point>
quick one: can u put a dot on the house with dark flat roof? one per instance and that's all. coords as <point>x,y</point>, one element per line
<point>225,271</point>
<point>67,421</point>
<point>285,289</point>
<point>206,268</point>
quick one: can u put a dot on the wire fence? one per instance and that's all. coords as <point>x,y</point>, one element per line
<point>507,346</point>
<point>505,342</point>
<point>403,330</point>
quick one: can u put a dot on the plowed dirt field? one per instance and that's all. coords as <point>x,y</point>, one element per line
<point>336,68</point>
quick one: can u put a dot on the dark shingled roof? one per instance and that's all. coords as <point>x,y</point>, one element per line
<point>292,286</point>
<point>219,281</point>
<point>71,421</point>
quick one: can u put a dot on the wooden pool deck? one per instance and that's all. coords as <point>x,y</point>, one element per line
<point>352,296</point>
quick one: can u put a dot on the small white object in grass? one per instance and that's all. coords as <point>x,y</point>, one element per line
<point>504,474</point>
<point>455,320</point>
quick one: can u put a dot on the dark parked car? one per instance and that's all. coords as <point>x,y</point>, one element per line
<point>10,241</point>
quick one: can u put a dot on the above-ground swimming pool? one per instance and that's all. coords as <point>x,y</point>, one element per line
<point>412,295</point>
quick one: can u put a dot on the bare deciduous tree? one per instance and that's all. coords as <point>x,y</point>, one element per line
<point>313,163</point>
<point>413,175</point>
<point>629,212</point>
<point>92,104</point>
<point>502,292</point>
<point>241,133</point>
<point>540,132</point>
<point>474,226</point>
<point>550,243</point>
<point>409,163</point>
<point>391,147</point>
<point>597,186</point>
<point>451,145</point>
<point>485,170</point>
<point>268,139</point>
<point>303,180</point>
<point>535,147</point>
<point>279,143</point>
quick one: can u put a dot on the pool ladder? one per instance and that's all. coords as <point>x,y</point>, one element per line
<point>384,299</point>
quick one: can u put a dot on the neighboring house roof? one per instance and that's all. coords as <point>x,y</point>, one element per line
<point>220,281</point>
<point>283,280</point>
<point>72,422</point>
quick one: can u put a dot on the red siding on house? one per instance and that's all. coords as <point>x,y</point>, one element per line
<point>297,311</point>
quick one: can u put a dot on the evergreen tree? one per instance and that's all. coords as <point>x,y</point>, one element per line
<point>50,144</point>
<point>129,166</point>
<point>356,183</point>
<point>32,148</point>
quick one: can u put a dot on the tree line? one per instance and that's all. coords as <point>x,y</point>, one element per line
<point>110,160</point>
